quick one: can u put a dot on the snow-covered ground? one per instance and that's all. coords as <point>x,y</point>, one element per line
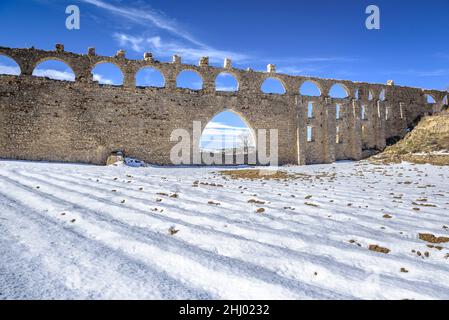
<point>78,231</point>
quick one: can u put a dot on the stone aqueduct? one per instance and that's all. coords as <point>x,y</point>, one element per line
<point>83,121</point>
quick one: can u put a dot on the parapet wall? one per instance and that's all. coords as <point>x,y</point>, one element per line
<point>82,121</point>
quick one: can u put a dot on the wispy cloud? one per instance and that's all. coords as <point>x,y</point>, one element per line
<point>173,39</point>
<point>54,74</point>
<point>218,135</point>
<point>191,51</point>
<point>163,48</point>
<point>145,15</point>
<point>225,88</point>
<point>100,79</point>
<point>297,70</point>
<point>216,129</point>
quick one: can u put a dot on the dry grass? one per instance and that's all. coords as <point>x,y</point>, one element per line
<point>419,146</point>
<point>256,201</point>
<point>277,175</point>
<point>377,248</point>
<point>432,239</point>
<point>256,174</point>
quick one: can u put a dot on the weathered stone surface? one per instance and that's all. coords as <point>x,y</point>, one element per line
<point>114,158</point>
<point>43,119</point>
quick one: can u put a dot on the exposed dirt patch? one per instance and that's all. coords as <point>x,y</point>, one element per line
<point>172,231</point>
<point>380,249</point>
<point>432,239</point>
<point>311,204</point>
<point>255,174</point>
<point>256,201</point>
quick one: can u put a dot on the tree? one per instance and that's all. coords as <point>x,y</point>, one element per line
<point>245,141</point>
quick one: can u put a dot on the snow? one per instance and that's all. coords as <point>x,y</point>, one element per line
<point>71,231</point>
<point>437,153</point>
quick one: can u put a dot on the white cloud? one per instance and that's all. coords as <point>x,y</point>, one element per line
<point>221,129</point>
<point>168,48</point>
<point>194,49</point>
<point>9,70</point>
<point>218,135</point>
<point>54,74</point>
<point>145,15</point>
<point>226,88</point>
<point>101,79</point>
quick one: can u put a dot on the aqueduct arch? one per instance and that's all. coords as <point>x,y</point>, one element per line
<point>83,121</point>
<point>237,115</point>
<point>14,62</point>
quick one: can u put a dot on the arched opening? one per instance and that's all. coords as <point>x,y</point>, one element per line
<point>227,132</point>
<point>338,111</point>
<point>430,99</point>
<point>226,82</point>
<point>370,95</point>
<point>382,95</point>
<point>107,73</point>
<point>310,110</point>
<point>272,86</point>
<point>188,79</point>
<point>54,69</point>
<point>363,112</point>
<point>9,66</point>
<point>338,91</point>
<point>309,88</point>
<point>310,134</point>
<point>150,77</point>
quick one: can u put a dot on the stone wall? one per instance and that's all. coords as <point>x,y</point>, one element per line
<point>83,121</point>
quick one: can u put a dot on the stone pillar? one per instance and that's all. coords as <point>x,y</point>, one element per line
<point>437,106</point>
<point>26,67</point>
<point>330,114</point>
<point>204,62</point>
<point>355,130</point>
<point>271,68</point>
<point>301,130</point>
<point>176,59</point>
<point>403,118</point>
<point>121,54</point>
<point>170,78</point>
<point>380,125</point>
<point>227,63</point>
<point>129,78</point>
<point>148,56</point>
<point>83,73</point>
<point>208,82</point>
<point>59,48</point>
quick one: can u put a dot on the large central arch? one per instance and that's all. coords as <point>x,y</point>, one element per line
<point>228,131</point>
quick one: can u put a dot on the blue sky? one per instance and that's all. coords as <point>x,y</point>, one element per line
<point>324,38</point>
